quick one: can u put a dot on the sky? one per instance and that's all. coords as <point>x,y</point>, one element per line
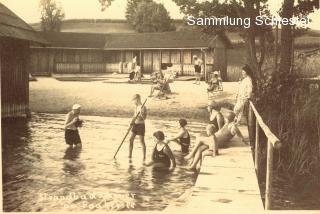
<point>28,10</point>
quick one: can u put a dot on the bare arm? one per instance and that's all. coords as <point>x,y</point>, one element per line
<point>179,135</point>
<point>168,151</point>
<point>68,121</point>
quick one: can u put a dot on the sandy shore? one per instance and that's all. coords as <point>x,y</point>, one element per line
<point>48,95</point>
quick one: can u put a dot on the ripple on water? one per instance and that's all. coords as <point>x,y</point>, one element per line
<point>39,166</point>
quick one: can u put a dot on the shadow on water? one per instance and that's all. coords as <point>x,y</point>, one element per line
<point>71,165</point>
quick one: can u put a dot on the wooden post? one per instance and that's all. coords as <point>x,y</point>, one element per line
<point>181,61</point>
<point>269,176</point>
<point>205,66</point>
<point>122,60</point>
<point>160,60</point>
<point>256,150</point>
<point>141,60</point>
<point>276,49</point>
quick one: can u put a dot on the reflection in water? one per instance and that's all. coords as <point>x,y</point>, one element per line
<point>71,165</point>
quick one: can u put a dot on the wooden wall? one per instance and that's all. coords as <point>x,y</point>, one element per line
<point>45,61</point>
<point>14,78</point>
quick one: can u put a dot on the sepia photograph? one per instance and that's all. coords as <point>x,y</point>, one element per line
<point>166,106</point>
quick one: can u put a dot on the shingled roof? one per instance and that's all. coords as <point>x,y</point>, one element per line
<point>170,40</point>
<point>127,41</point>
<point>14,27</point>
<point>75,40</point>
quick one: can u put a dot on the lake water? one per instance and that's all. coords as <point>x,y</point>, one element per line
<point>41,174</point>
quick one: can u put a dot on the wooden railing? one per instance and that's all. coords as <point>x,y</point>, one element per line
<point>272,143</point>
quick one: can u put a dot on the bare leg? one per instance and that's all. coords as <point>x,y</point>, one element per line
<point>193,152</point>
<point>143,144</point>
<point>151,91</point>
<point>215,147</point>
<point>198,156</point>
<point>131,144</point>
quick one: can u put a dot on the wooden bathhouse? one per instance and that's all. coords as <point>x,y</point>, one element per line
<point>108,53</point>
<point>15,39</point>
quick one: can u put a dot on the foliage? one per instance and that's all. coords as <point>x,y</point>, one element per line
<point>105,4</point>
<point>152,17</point>
<point>51,15</point>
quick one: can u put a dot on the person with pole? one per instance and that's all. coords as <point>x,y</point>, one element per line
<point>138,125</point>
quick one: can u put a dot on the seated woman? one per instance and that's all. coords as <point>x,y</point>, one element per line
<point>215,83</point>
<point>138,75</point>
<point>215,118</point>
<point>161,84</point>
<point>183,137</point>
<point>219,139</point>
<point>162,156</point>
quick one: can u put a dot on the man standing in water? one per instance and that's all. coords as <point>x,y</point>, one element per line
<point>72,123</point>
<point>138,125</point>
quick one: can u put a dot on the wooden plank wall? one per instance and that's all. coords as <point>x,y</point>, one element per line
<point>44,61</point>
<point>14,78</point>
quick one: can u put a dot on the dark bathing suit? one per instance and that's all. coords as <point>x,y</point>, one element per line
<point>185,143</point>
<point>72,137</point>
<point>197,68</point>
<point>161,157</point>
<point>139,129</point>
<point>215,122</point>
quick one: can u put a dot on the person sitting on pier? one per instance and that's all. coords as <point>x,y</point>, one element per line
<point>162,156</point>
<point>215,118</point>
<point>220,139</point>
<point>183,137</point>
<point>72,123</point>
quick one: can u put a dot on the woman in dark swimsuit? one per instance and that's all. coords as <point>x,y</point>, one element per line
<point>215,118</point>
<point>183,137</point>
<point>162,156</point>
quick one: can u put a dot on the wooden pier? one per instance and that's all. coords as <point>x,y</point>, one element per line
<point>226,183</point>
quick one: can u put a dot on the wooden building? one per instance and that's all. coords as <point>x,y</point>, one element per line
<point>109,53</point>
<point>15,38</point>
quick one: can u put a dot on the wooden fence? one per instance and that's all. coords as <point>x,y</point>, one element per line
<point>272,143</point>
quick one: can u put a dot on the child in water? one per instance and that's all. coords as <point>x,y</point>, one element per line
<point>183,137</point>
<point>72,123</point>
<point>162,156</point>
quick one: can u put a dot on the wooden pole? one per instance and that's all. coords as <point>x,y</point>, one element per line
<point>269,176</point>
<point>256,149</point>
<point>276,49</point>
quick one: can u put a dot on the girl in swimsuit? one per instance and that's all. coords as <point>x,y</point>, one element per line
<point>183,137</point>
<point>162,156</point>
<point>215,118</point>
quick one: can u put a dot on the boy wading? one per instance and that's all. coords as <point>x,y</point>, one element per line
<point>138,125</point>
<point>72,123</point>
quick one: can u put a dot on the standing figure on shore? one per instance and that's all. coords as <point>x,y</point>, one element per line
<point>72,123</point>
<point>244,92</point>
<point>197,69</point>
<point>183,137</point>
<point>215,117</point>
<point>138,125</point>
<point>162,156</point>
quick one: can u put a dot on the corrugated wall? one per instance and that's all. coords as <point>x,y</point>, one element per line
<point>14,78</point>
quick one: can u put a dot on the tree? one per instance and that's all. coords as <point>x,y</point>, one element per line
<point>131,10</point>
<point>236,9</point>
<point>151,17</point>
<point>51,15</point>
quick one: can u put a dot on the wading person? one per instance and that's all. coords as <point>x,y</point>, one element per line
<point>72,123</point>
<point>244,92</point>
<point>215,117</point>
<point>183,137</point>
<point>197,69</point>
<point>138,125</point>
<point>162,156</point>
<point>220,139</point>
